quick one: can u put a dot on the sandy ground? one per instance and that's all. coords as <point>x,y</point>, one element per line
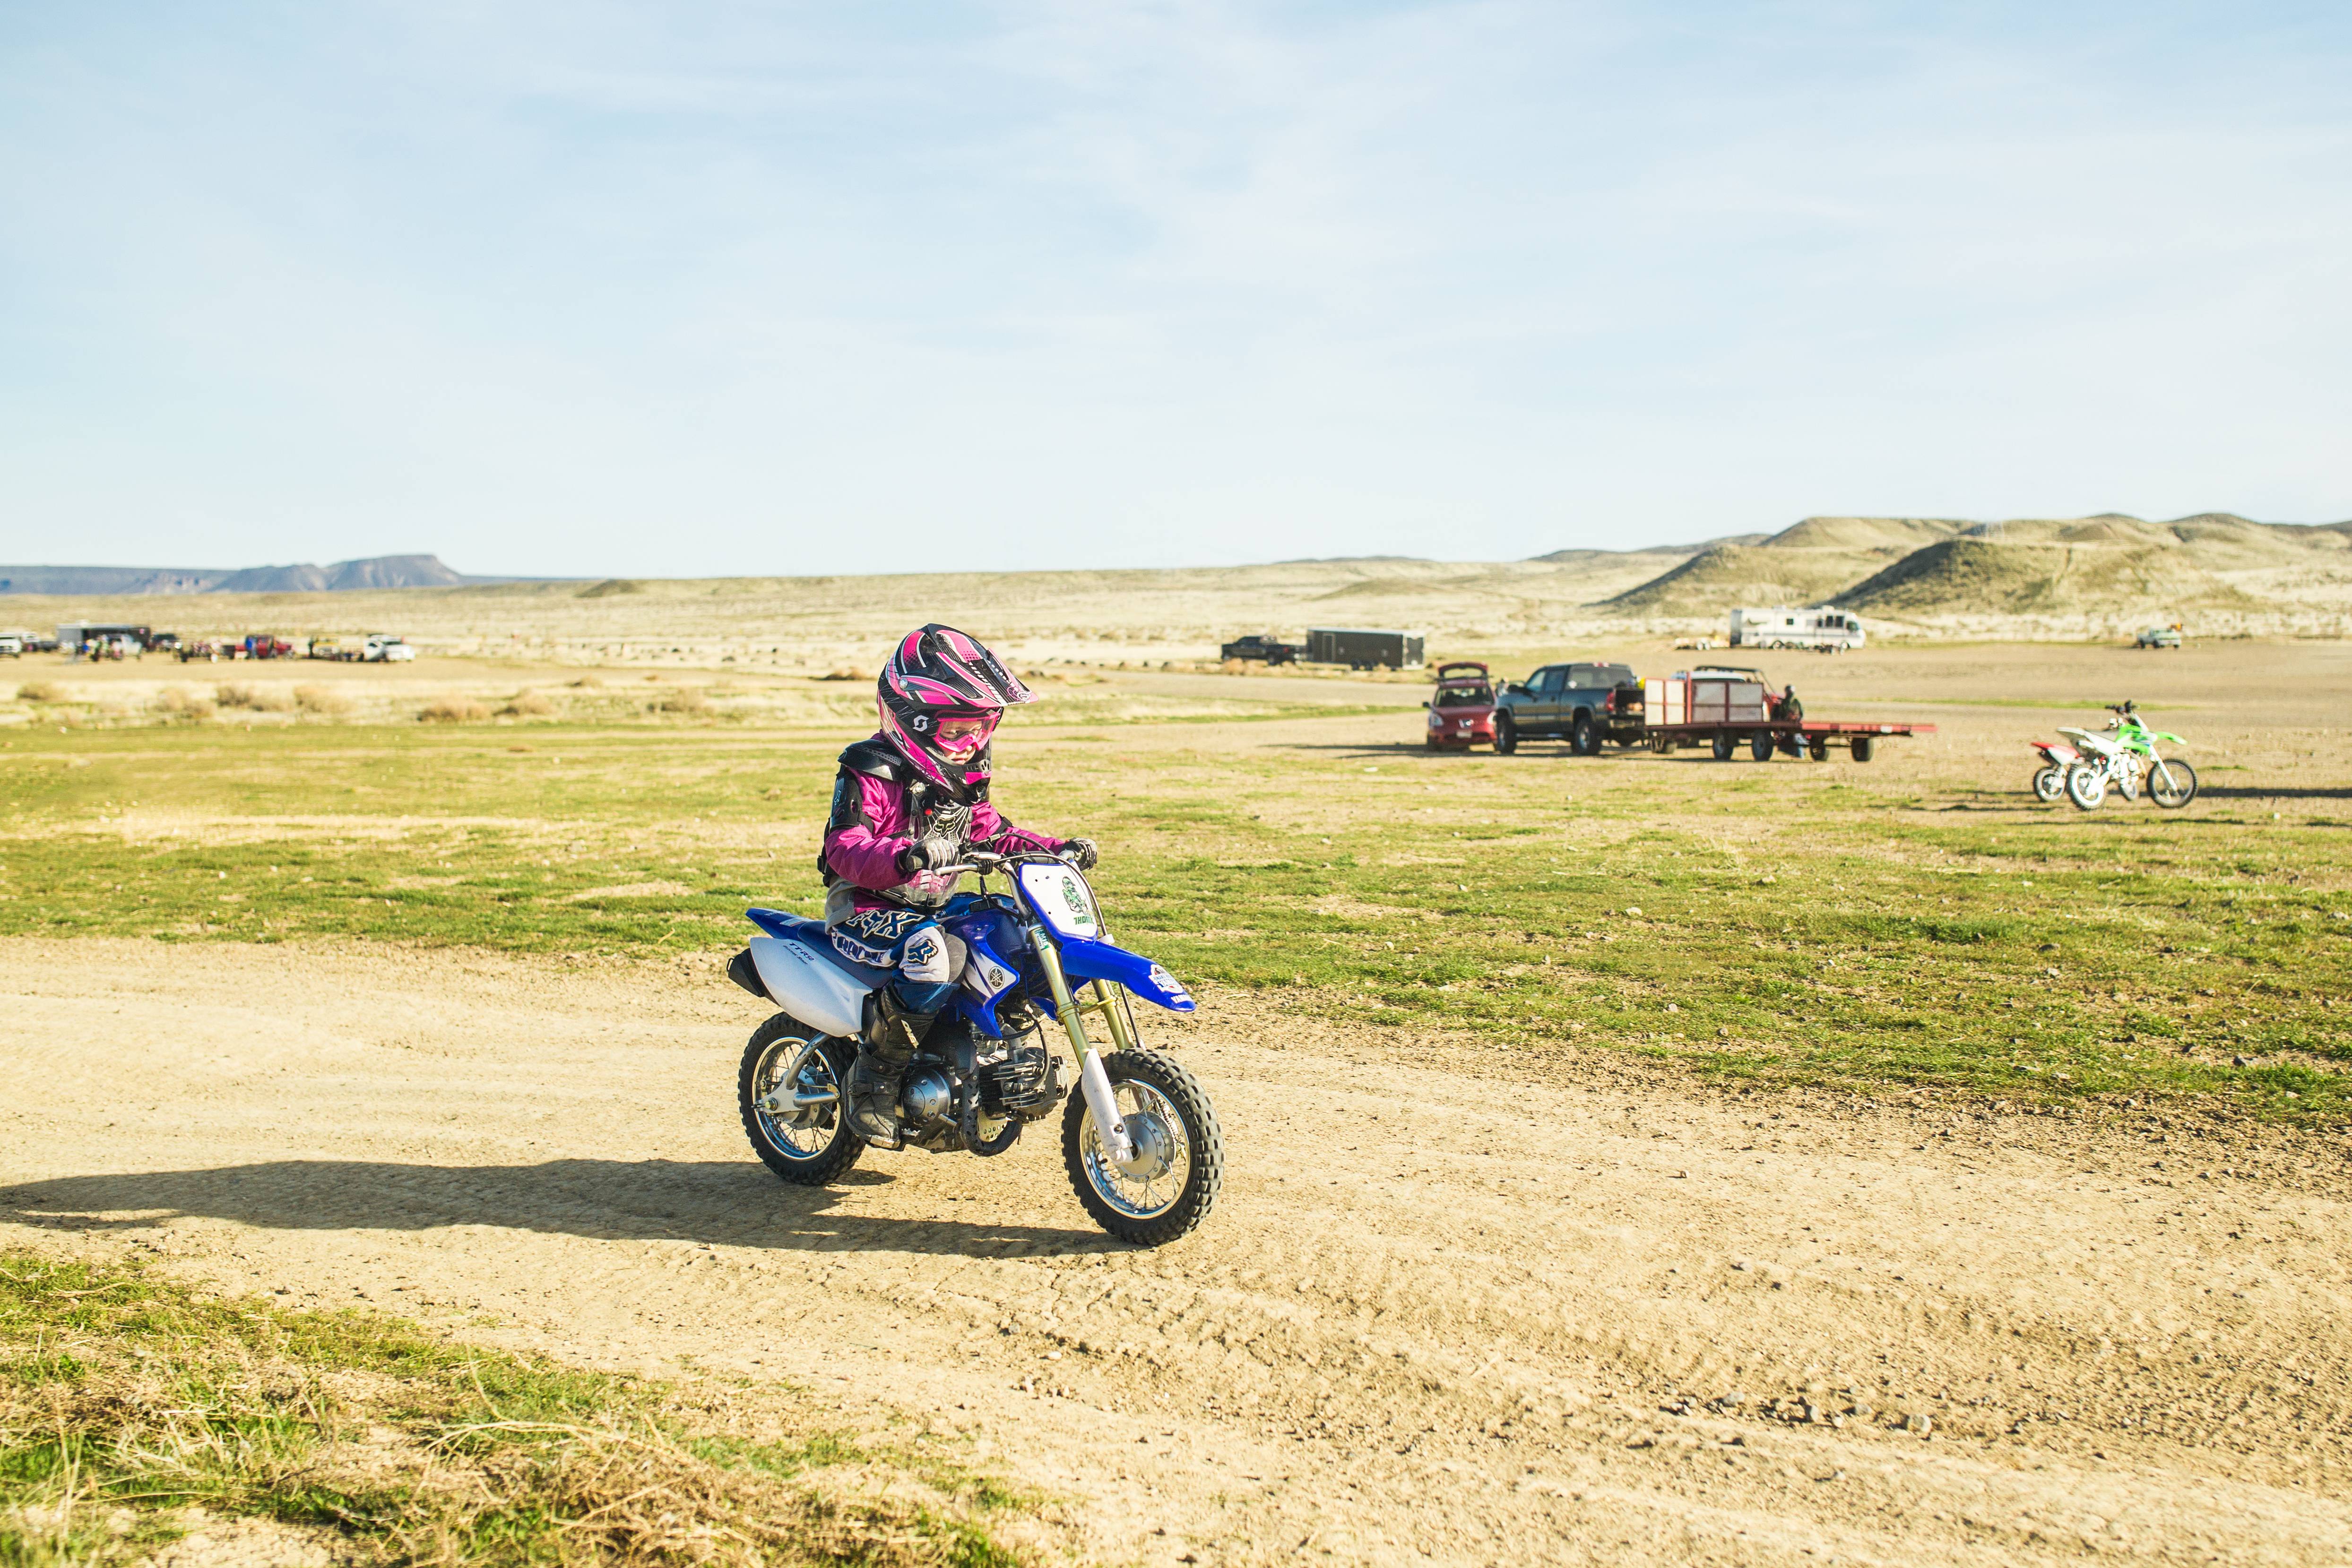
<point>1451,1306</point>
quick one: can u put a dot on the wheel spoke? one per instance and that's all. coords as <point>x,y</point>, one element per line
<point>1140,1196</point>
<point>799,1068</point>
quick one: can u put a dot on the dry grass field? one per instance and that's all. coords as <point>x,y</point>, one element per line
<point>1634,1158</point>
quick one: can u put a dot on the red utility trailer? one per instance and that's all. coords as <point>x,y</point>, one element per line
<point>1722,708</point>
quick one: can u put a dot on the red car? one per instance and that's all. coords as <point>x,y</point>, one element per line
<point>1462,713</point>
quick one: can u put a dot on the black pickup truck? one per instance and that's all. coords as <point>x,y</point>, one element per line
<point>1584,704</point>
<point>1266,648</point>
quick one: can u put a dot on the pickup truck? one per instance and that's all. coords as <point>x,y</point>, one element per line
<point>1266,648</point>
<point>1584,704</point>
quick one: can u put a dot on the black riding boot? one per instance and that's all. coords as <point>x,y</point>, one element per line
<point>889,1044</point>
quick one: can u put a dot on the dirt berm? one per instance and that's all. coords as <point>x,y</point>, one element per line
<point>1475,1306</point>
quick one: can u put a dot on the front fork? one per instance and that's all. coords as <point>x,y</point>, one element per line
<point>1093,1082</point>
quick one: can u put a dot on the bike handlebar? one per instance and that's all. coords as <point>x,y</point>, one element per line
<point>984,861</point>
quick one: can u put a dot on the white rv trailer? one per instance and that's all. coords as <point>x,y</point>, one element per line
<point>1781,626</point>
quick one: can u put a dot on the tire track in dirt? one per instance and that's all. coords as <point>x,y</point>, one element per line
<point>1462,1303</point>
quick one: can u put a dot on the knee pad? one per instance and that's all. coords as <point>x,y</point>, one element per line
<point>925,958</point>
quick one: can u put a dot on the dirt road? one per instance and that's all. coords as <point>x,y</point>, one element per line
<point>1442,1310</point>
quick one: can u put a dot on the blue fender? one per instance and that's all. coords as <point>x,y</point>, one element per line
<point>1085,960</point>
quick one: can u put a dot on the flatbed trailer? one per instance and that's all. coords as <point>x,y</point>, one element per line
<point>1797,737</point>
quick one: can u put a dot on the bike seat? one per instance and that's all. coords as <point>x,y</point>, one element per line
<point>812,933</point>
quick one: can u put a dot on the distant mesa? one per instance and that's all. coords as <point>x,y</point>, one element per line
<point>1584,557</point>
<point>376,571</point>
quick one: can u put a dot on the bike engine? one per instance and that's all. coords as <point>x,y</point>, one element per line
<point>1024,1083</point>
<point>928,1099</point>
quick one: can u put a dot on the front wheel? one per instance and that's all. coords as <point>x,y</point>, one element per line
<point>794,1093</point>
<point>1759,746</point>
<point>1722,747</point>
<point>2049,783</point>
<point>1180,1155</point>
<point>2171,783</point>
<point>2087,786</point>
<point>1506,734</point>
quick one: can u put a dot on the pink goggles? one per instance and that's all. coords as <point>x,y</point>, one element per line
<point>961,731</point>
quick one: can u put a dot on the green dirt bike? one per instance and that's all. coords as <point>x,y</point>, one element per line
<point>2123,757</point>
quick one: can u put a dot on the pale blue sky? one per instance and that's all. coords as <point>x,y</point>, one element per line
<point>596,287</point>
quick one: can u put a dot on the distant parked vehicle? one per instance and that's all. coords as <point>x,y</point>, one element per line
<point>1722,705</point>
<point>1584,704</point>
<point>12,646</point>
<point>1462,713</point>
<point>381,649</point>
<point>1782,626</point>
<point>1362,650</point>
<point>2123,757</point>
<point>260,646</point>
<point>2160,636</point>
<point>1266,648</point>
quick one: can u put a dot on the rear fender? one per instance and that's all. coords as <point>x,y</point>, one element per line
<point>809,985</point>
<point>1085,960</point>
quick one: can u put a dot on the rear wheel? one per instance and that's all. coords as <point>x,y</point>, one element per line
<point>1583,735</point>
<point>1759,746</point>
<point>1819,750</point>
<point>2087,786</point>
<point>1506,734</point>
<point>1180,1154</point>
<point>793,1093</point>
<point>2171,783</point>
<point>2049,783</point>
<point>1722,747</point>
<point>1861,746</point>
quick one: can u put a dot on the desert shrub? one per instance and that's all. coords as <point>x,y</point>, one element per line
<point>178,701</point>
<point>324,701</point>
<point>41,692</point>
<point>452,708</point>
<point>590,680</point>
<point>259,699</point>
<point>528,705</point>
<point>685,699</point>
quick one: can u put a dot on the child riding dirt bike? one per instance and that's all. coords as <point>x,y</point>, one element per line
<point>908,800</point>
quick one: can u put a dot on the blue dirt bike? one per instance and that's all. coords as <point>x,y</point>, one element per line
<point>1140,1139</point>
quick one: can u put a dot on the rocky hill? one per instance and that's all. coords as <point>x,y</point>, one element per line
<point>1948,573</point>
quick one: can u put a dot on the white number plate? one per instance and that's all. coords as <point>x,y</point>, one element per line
<point>1063,900</point>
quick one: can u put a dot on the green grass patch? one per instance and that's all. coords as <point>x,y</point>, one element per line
<point>128,1400</point>
<point>1798,923</point>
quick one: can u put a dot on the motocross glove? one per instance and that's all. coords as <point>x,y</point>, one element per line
<point>1081,853</point>
<point>928,853</point>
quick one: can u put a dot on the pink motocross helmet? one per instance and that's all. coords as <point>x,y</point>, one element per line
<point>935,677</point>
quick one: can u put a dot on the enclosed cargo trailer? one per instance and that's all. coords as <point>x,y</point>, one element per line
<point>1363,650</point>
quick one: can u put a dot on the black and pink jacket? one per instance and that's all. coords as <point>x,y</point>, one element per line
<point>881,805</point>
